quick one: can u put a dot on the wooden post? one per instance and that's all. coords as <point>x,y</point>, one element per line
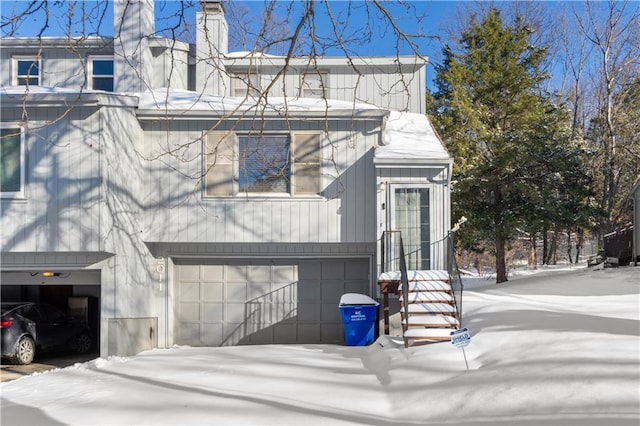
<point>387,287</point>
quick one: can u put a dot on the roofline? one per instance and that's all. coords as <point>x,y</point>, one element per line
<point>69,99</point>
<point>361,115</point>
<point>319,62</point>
<point>91,42</point>
<point>411,162</point>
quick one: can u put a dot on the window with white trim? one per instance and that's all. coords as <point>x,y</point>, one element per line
<point>27,71</point>
<point>101,73</point>
<point>12,161</point>
<point>245,84</point>
<point>314,85</point>
<point>262,164</point>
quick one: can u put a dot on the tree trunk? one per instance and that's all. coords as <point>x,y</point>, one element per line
<point>569,247</point>
<point>579,243</point>
<point>553,250</point>
<point>532,260</point>
<point>545,247</point>
<point>501,265</point>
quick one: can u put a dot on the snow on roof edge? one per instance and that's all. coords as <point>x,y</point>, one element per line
<point>410,136</point>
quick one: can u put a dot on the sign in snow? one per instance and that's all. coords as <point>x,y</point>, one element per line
<point>460,338</point>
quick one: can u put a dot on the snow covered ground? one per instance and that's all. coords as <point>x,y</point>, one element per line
<point>550,348</point>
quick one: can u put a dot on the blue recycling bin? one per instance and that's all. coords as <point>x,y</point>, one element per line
<point>359,315</point>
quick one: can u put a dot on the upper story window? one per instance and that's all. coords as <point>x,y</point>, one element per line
<point>314,85</point>
<point>264,164</point>
<point>11,162</point>
<point>27,71</point>
<point>274,164</point>
<point>101,73</point>
<point>245,84</point>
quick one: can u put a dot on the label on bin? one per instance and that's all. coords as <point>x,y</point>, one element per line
<point>358,316</point>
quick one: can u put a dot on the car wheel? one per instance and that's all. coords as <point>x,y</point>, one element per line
<point>25,351</point>
<point>81,344</point>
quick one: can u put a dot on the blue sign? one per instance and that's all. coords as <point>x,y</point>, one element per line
<point>460,338</point>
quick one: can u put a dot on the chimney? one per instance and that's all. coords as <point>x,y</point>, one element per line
<point>133,22</point>
<point>212,44</point>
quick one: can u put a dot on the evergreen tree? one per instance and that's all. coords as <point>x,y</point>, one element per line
<point>512,147</point>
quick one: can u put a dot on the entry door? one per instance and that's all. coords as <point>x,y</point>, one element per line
<point>410,214</point>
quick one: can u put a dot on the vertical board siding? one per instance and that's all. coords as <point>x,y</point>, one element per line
<point>439,206</point>
<point>181,213</point>
<point>60,211</point>
<point>401,91</point>
<point>60,67</point>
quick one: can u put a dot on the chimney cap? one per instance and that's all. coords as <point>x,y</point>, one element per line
<point>212,6</point>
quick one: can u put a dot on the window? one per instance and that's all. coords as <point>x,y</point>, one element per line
<point>314,85</point>
<point>101,70</point>
<point>219,176</point>
<point>306,164</point>
<point>11,162</point>
<point>285,164</point>
<point>410,211</point>
<point>264,164</point>
<point>27,72</point>
<point>245,84</point>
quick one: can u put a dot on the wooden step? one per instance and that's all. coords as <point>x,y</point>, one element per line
<point>430,275</point>
<point>435,334</point>
<point>428,296</point>
<point>428,286</point>
<point>428,308</point>
<point>435,321</point>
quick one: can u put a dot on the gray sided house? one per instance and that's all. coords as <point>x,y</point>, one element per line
<point>177,202</point>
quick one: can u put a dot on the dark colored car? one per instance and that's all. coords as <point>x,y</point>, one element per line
<point>29,327</point>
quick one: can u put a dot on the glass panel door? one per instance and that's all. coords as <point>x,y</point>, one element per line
<point>410,216</point>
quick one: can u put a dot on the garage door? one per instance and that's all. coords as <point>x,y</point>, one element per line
<point>264,302</point>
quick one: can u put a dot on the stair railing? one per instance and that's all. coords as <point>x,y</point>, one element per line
<point>389,251</point>
<point>454,273</point>
<point>404,279</point>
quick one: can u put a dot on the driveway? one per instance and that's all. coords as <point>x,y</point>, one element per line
<point>10,372</point>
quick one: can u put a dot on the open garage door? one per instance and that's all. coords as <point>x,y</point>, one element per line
<point>74,292</point>
<point>259,302</point>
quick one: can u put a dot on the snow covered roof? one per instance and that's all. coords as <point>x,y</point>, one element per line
<point>410,137</point>
<point>184,103</point>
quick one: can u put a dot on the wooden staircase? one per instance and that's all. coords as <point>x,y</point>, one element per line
<point>427,306</point>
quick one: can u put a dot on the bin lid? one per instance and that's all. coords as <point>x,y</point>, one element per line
<point>356,299</point>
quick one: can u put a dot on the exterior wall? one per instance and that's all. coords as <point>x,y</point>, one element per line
<point>377,84</point>
<point>63,190</point>
<point>343,213</point>
<point>436,180</point>
<point>170,64</point>
<point>131,293</point>
<point>60,66</point>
